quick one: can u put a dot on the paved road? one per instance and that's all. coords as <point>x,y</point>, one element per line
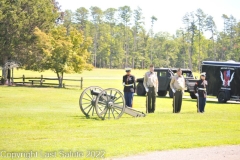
<point>206,153</point>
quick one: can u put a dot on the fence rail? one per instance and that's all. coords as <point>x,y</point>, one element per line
<point>36,81</point>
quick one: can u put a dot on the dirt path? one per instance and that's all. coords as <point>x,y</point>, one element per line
<point>206,153</point>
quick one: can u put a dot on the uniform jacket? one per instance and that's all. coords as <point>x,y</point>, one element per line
<point>203,85</point>
<point>129,83</point>
<point>177,83</point>
<point>151,79</point>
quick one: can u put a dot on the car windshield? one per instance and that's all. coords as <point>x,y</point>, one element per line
<point>185,74</point>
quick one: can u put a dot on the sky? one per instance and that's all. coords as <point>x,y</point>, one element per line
<point>168,12</point>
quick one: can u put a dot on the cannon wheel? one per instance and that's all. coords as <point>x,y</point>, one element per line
<point>110,103</point>
<point>87,100</point>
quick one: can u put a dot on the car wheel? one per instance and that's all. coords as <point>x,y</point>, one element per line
<point>170,92</point>
<point>162,93</point>
<point>222,97</point>
<point>192,95</point>
<point>140,90</point>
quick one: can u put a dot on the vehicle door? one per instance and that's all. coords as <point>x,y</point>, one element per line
<point>163,80</point>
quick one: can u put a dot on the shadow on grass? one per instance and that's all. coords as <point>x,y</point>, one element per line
<point>96,118</point>
<point>211,101</point>
<point>87,117</point>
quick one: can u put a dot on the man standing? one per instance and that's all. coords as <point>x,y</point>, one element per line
<point>150,83</point>
<point>129,87</point>
<point>177,85</point>
<point>201,92</point>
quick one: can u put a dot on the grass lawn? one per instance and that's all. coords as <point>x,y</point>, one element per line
<point>49,121</point>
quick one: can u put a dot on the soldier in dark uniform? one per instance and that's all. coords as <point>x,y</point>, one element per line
<point>200,89</point>
<point>129,87</point>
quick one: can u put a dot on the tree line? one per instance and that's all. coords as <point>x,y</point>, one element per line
<point>120,39</point>
<point>39,36</point>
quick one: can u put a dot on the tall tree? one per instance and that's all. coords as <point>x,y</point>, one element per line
<point>227,36</point>
<point>62,52</point>
<point>181,36</point>
<point>190,27</point>
<point>125,13</point>
<point>18,18</point>
<point>68,20</point>
<point>111,21</point>
<point>201,18</point>
<point>97,15</point>
<point>153,19</point>
<point>81,17</point>
<point>237,43</point>
<point>138,21</point>
<point>211,26</point>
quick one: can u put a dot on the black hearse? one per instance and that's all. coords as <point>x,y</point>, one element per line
<point>223,79</point>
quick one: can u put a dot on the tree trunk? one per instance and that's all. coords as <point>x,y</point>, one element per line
<point>60,78</point>
<point>191,51</point>
<point>133,62</point>
<point>190,58</point>
<point>199,50</point>
<point>4,70</point>
<point>95,51</point>
<point>110,61</point>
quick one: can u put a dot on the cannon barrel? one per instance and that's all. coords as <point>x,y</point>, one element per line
<point>96,93</point>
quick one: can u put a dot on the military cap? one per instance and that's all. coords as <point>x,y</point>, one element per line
<point>203,74</point>
<point>128,69</point>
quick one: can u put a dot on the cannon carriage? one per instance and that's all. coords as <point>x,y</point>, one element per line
<point>106,103</point>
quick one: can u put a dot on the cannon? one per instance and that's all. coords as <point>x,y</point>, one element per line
<point>106,103</point>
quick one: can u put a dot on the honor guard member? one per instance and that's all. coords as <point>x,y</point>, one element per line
<point>177,85</point>
<point>200,89</point>
<point>129,87</point>
<point>150,83</point>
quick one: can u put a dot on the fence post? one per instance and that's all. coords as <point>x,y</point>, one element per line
<point>23,79</point>
<point>12,77</point>
<point>81,83</point>
<point>41,80</point>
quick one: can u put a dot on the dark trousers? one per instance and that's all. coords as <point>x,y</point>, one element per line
<point>177,101</point>
<point>201,104</point>
<point>151,99</point>
<point>128,98</point>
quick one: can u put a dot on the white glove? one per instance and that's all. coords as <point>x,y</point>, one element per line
<point>147,89</point>
<point>173,90</point>
<point>123,84</point>
<point>196,94</point>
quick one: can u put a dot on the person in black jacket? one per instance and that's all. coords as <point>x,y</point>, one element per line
<point>200,89</point>
<point>129,87</point>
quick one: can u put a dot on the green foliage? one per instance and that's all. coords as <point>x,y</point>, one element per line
<point>119,41</point>
<point>119,36</point>
<point>18,18</point>
<point>62,50</point>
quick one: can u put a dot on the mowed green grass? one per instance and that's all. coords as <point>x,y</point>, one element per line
<point>101,77</point>
<point>49,120</point>
<point>106,78</point>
